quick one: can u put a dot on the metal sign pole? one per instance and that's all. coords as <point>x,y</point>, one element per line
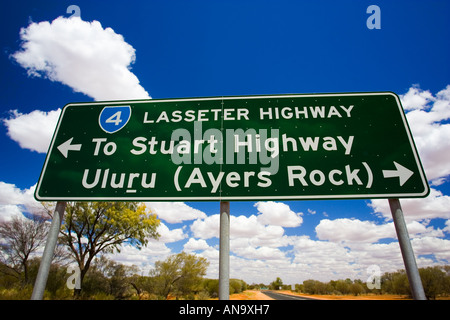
<point>407,251</point>
<point>224,251</point>
<point>47,256</point>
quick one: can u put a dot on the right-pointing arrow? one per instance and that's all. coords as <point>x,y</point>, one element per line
<point>401,172</point>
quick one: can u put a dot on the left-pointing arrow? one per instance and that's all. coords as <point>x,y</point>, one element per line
<point>65,147</point>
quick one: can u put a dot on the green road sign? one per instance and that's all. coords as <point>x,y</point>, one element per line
<point>311,146</point>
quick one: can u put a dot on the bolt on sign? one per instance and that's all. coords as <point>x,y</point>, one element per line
<point>291,147</point>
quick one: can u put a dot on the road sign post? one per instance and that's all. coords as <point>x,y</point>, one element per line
<point>47,256</point>
<point>224,251</point>
<point>277,147</point>
<point>407,251</point>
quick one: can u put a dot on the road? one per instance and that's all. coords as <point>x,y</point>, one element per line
<point>282,296</point>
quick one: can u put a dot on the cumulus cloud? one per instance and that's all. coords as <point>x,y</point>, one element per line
<point>194,244</point>
<point>206,228</point>
<point>322,260</point>
<point>416,98</point>
<point>431,245</point>
<point>143,258</point>
<point>278,214</point>
<point>10,194</point>
<point>82,55</point>
<point>8,212</point>
<point>427,116</point>
<point>447,226</point>
<point>325,260</point>
<point>175,212</point>
<point>240,227</point>
<point>13,201</point>
<point>355,230</point>
<point>34,130</point>
<point>261,253</point>
<point>167,235</point>
<point>249,238</point>
<point>436,205</point>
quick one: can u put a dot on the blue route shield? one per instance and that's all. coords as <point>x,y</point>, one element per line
<point>112,119</point>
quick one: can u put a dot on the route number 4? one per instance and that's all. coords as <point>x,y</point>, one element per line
<point>115,118</point>
<point>112,119</point>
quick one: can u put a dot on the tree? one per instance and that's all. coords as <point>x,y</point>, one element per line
<point>309,286</point>
<point>343,286</point>
<point>108,277</point>
<point>142,284</point>
<point>180,273</point>
<point>433,281</point>
<point>357,288</point>
<point>21,237</point>
<point>276,285</point>
<point>211,286</point>
<point>90,228</point>
<point>120,279</point>
<point>237,286</point>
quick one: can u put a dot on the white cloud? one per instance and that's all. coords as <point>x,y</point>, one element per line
<point>278,214</point>
<point>447,226</point>
<point>425,117</point>
<point>14,200</point>
<point>436,205</point>
<point>249,238</point>
<point>175,212</point>
<point>240,227</point>
<point>144,258</point>
<point>326,260</point>
<point>10,194</point>
<point>352,230</point>
<point>83,55</point>
<point>167,235</point>
<point>206,228</point>
<point>262,253</point>
<point>194,244</point>
<point>9,211</point>
<point>416,98</point>
<point>34,130</point>
<point>432,245</point>
<point>247,227</point>
<point>212,254</point>
<point>322,260</point>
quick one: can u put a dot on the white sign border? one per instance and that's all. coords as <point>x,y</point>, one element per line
<point>241,198</point>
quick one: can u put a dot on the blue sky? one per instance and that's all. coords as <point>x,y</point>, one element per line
<point>177,49</point>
